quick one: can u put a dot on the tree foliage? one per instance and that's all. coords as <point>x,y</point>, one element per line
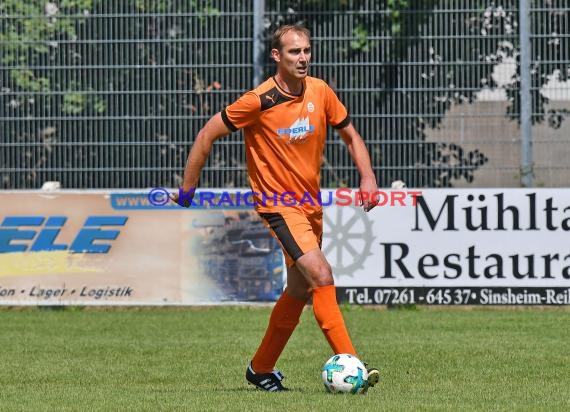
<point>128,97</point>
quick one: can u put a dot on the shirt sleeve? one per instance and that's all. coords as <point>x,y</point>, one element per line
<point>337,115</point>
<point>243,112</point>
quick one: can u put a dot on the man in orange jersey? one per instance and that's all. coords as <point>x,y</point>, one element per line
<point>285,123</point>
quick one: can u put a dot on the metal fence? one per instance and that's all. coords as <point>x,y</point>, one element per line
<point>110,94</point>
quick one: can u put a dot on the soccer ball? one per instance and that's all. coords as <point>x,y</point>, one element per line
<point>344,373</point>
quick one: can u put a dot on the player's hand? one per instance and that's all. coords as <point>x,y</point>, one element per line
<point>183,198</point>
<point>368,205</point>
<point>369,187</point>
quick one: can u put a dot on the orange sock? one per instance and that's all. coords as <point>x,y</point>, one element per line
<point>330,320</point>
<point>282,322</point>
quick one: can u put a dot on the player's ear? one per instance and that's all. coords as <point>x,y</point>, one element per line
<point>275,55</point>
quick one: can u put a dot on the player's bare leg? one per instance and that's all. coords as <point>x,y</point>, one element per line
<point>297,285</point>
<point>315,269</point>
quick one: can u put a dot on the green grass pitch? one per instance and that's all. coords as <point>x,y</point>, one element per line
<point>194,359</point>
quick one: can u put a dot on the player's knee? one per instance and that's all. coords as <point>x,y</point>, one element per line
<point>315,269</point>
<point>322,275</point>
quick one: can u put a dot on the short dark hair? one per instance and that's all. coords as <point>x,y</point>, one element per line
<point>286,28</point>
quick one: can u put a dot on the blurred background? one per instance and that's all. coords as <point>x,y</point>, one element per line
<point>101,94</point>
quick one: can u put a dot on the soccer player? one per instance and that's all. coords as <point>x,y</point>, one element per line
<point>285,122</point>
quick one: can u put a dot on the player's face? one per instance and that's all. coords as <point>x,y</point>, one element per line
<point>293,58</point>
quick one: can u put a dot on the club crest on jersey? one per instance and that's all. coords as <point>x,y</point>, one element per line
<point>297,130</point>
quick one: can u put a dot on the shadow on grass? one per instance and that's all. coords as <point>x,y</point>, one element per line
<point>252,390</point>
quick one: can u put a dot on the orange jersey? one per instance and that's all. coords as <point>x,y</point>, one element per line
<point>285,139</point>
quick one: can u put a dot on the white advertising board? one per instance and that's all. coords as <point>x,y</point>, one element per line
<point>454,246</point>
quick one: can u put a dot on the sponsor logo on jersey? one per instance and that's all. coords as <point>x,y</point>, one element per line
<point>297,130</point>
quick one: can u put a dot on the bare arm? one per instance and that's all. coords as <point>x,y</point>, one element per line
<point>212,131</point>
<point>361,159</point>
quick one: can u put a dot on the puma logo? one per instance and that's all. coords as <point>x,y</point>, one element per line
<point>271,98</point>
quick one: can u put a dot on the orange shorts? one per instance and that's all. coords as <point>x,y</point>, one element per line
<point>296,231</point>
